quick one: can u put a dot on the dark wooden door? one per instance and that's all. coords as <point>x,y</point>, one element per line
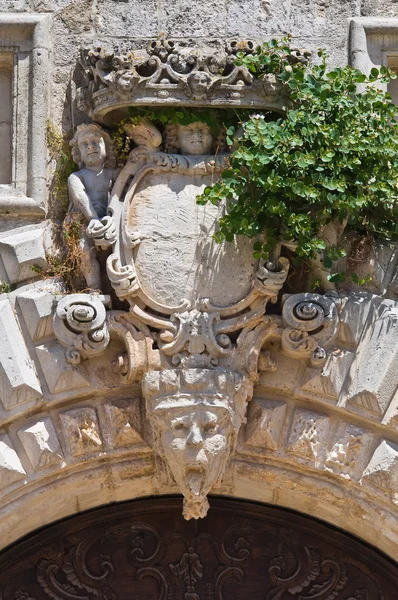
<point>144,550</point>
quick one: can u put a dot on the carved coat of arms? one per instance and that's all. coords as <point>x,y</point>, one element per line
<point>197,318</point>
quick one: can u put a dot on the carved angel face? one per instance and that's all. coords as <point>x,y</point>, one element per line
<point>92,148</point>
<point>199,83</point>
<point>196,442</point>
<point>195,138</point>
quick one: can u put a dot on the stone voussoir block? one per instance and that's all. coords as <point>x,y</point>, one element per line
<point>19,383</point>
<point>265,421</point>
<point>122,426</point>
<point>21,249</point>
<point>11,469</point>
<point>308,434</point>
<point>81,431</point>
<point>349,452</point>
<point>373,376</point>
<point>59,375</point>
<point>382,469</point>
<point>40,442</point>
<point>37,307</point>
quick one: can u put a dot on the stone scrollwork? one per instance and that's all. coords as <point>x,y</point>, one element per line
<point>103,232</point>
<point>311,323</point>
<point>80,325</point>
<point>270,277</point>
<point>123,278</point>
<point>169,71</point>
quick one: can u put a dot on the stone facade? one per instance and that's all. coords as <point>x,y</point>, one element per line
<point>310,411</point>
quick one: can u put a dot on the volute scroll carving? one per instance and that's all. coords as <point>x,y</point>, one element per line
<point>311,324</point>
<point>80,325</point>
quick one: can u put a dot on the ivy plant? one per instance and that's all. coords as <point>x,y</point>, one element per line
<point>333,157</point>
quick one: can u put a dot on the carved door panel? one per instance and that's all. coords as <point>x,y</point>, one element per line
<point>144,550</point>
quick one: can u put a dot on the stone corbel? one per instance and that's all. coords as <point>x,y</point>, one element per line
<point>84,327</point>
<point>80,326</point>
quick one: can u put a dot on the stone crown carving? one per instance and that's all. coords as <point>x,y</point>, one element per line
<point>171,73</point>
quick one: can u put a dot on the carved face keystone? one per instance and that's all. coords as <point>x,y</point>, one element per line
<point>195,138</point>
<point>196,443</point>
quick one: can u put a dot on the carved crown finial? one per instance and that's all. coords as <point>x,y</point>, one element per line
<point>168,71</point>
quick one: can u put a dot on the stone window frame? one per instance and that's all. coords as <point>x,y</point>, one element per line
<point>27,36</point>
<point>372,41</point>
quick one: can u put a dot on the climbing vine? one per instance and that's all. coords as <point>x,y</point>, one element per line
<point>332,158</point>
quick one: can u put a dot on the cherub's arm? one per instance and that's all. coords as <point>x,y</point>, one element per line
<point>79,197</point>
<point>120,183</point>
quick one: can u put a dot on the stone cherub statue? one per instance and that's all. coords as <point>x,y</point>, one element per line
<point>89,194</point>
<point>98,182</point>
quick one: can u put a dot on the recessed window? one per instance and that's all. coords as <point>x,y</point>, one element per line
<point>374,43</point>
<point>25,49</point>
<point>6,69</point>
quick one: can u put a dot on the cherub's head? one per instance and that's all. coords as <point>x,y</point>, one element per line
<point>92,147</point>
<point>195,138</point>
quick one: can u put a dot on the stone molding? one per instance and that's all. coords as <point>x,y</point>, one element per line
<point>319,439</point>
<point>28,36</point>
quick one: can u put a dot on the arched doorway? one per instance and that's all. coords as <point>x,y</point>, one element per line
<point>144,550</point>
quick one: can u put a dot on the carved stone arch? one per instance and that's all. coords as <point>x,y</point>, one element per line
<point>299,402</point>
<point>321,440</point>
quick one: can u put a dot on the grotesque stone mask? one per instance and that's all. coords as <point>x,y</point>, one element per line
<point>196,441</point>
<point>195,430</point>
<point>198,84</point>
<point>195,138</point>
<point>92,148</point>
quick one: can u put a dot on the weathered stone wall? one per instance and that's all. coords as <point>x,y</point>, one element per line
<point>312,23</point>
